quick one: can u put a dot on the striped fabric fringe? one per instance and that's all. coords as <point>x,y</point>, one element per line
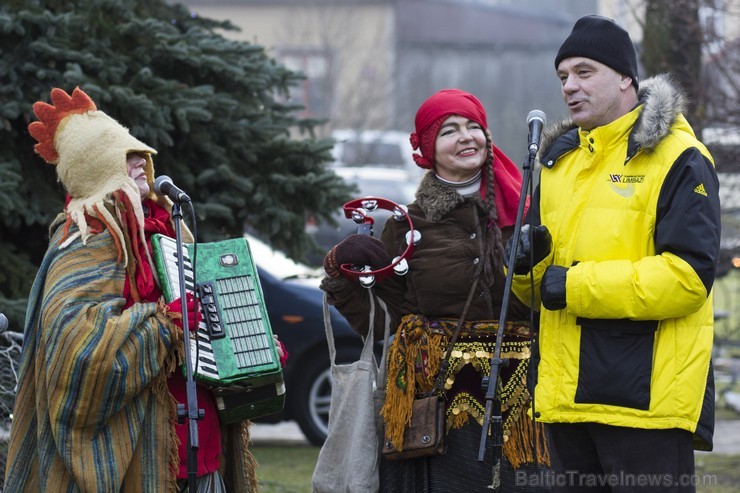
<point>239,465</point>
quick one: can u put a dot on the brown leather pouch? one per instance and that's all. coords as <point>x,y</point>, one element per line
<point>425,435</point>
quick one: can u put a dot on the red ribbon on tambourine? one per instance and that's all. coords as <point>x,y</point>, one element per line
<point>358,210</point>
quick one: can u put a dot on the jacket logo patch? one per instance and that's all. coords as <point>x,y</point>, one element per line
<point>700,190</point>
<point>624,185</point>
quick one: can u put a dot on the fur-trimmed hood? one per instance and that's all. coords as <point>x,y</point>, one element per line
<point>437,199</point>
<point>663,101</point>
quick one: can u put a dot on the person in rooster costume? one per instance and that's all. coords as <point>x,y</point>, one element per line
<point>100,372</point>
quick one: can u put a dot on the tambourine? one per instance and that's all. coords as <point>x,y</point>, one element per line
<point>358,211</point>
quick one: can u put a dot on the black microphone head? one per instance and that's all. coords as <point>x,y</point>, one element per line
<point>537,115</point>
<point>3,323</point>
<point>159,182</point>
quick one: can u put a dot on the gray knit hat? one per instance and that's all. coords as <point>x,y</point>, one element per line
<point>601,39</point>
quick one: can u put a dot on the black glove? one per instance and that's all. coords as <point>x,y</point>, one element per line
<point>552,289</point>
<point>357,250</point>
<point>541,244</point>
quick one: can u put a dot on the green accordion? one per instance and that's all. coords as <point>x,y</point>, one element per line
<point>233,351</point>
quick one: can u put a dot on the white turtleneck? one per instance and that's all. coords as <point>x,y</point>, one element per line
<point>467,187</point>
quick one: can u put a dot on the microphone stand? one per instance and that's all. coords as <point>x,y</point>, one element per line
<point>189,410</point>
<point>490,383</point>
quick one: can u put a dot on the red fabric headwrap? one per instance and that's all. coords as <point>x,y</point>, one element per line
<point>507,179</point>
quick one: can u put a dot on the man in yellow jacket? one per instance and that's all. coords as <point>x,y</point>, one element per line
<point>622,243</point>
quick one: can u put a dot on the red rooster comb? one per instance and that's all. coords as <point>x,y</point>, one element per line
<point>51,115</point>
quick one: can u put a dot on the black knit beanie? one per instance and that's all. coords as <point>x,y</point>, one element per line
<point>601,39</point>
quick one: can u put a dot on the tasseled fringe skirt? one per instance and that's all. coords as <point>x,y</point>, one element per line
<point>414,359</point>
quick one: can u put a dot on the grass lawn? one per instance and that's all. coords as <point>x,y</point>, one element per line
<point>285,469</point>
<point>289,470</point>
<point>717,473</point>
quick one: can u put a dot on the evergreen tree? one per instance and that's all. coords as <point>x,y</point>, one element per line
<point>216,110</point>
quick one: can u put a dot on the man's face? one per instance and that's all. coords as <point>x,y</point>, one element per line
<point>135,163</point>
<point>594,93</point>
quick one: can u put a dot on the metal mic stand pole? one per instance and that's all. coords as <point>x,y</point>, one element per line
<point>190,410</point>
<point>490,383</point>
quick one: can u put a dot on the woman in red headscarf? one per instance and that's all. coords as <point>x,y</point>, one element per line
<point>465,210</point>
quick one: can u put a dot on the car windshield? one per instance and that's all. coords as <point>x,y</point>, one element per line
<point>276,262</point>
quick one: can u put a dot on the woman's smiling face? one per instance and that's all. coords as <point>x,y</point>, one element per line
<point>460,149</point>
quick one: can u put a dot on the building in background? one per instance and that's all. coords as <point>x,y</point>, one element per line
<point>371,63</point>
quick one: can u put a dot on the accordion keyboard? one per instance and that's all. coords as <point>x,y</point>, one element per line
<point>202,357</point>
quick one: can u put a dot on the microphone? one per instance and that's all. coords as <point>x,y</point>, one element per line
<point>3,323</point>
<point>163,185</point>
<point>536,120</point>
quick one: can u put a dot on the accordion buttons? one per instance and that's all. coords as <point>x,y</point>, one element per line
<point>210,310</point>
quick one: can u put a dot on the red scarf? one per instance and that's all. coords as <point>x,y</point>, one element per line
<point>156,221</point>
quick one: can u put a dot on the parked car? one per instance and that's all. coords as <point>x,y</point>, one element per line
<point>294,306</point>
<point>388,183</point>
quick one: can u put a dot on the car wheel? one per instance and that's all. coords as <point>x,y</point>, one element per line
<point>312,397</point>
